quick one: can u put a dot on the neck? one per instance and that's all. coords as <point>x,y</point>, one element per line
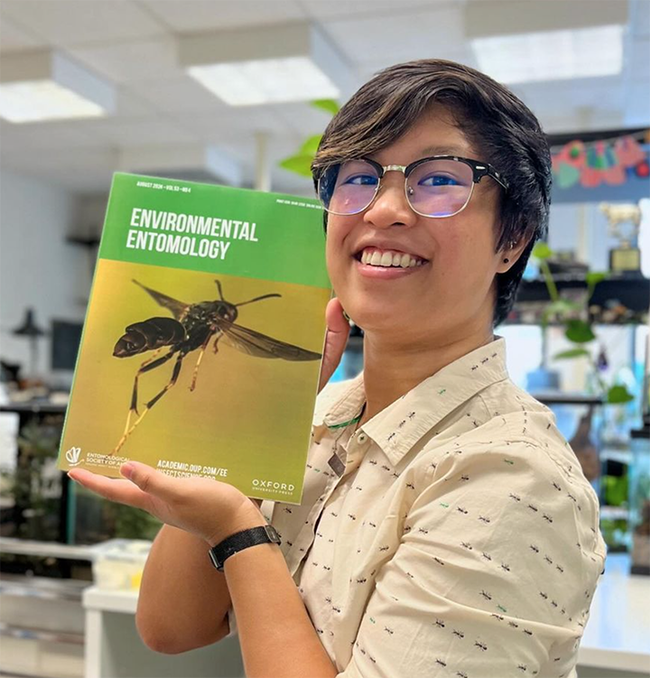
<point>392,368</point>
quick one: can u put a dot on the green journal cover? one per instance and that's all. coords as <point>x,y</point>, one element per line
<point>201,349</point>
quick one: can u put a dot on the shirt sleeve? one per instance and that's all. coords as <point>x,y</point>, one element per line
<point>494,572</point>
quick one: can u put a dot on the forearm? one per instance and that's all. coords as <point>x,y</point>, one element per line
<point>276,636</point>
<point>183,600</point>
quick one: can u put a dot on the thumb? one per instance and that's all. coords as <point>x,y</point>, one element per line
<point>338,330</point>
<point>147,479</point>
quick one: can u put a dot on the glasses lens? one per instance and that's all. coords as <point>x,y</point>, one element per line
<point>348,188</point>
<point>440,188</point>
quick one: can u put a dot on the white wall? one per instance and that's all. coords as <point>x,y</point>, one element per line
<point>38,268</point>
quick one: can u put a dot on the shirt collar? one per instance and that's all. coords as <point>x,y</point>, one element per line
<point>398,427</point>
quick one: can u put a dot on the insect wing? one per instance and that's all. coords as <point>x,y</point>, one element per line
<point>177,308</point>
<point>259,345</point>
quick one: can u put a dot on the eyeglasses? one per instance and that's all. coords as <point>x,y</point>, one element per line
<point>436,187</point>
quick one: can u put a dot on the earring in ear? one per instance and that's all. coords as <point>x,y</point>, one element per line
<point>506,260</point>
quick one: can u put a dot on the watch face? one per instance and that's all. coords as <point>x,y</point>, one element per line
<point>272,534</point>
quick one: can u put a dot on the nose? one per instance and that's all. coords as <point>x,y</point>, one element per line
<point>390,206</point>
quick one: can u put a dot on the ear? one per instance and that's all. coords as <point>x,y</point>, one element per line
<point>508,256</point>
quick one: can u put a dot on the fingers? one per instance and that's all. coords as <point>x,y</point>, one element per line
<point>338,330</point>
<point>148,479</point>
<point>121,491</point>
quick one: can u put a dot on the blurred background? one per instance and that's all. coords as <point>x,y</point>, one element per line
<point>237,93</point>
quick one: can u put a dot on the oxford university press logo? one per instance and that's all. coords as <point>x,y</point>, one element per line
<point>73,456</point>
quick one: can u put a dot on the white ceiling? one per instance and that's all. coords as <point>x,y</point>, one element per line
<point>132,44</point>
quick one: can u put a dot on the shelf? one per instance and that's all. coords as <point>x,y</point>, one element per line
<point>559,398</point>
<point>29,633</point>
<point>46,549</point>
<point>632,292</point>
<point>42,587</point>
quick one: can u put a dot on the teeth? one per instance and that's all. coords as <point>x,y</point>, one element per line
<point>388,259</point>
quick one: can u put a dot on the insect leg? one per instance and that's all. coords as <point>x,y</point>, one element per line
<point>145,367</point>
<point>198,362</point>
<point>134,395</point>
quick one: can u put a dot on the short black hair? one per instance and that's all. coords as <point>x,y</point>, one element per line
<point>492,118</point>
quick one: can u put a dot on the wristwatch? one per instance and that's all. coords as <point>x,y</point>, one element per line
<point>264,534</point>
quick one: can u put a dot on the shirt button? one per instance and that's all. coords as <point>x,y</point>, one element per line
<point>362,437</point>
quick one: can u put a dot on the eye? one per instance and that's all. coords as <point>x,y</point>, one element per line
<point>361,180</point>
<point>439,180</point>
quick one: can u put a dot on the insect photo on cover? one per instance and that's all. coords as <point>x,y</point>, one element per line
<point>192,328</point>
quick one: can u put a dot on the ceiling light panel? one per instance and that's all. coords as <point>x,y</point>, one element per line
<point>266,65</point>
<point>266,81</point>
<point>551,55</point>
<point>44,85</point>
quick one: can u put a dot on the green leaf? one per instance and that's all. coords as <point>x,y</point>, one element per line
<point>310,146</point>
<point>542,251</point>
<point>328,105</point>
<point>619,394</point>
<point>299,164</point>
<point>579,331</point>
<point>572,353</point>
<point>595,277</point>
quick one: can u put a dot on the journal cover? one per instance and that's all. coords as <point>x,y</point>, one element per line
<point>202,343</point>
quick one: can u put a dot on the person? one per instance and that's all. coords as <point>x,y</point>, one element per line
<point>446,528</point>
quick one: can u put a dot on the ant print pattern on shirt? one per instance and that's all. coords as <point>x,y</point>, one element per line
<point>457,535</point>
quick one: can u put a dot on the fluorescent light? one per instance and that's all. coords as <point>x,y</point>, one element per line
<point>43,85</point>
<point>551,55</point>
<point>266,81</point>
<point>272,64</point>
<point>43,100</point>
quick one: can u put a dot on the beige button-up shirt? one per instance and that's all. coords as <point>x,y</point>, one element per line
<point>453,534</point>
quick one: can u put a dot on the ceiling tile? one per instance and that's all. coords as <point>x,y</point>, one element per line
<point>241,123</point>
<point>79,22</point>
<point>459,53</point>
<point>410,34</point>
<point>302,118</point>
<point>207,15</point>
<point>181,94</point>
<point>153,59</point>
<point>116,132</point>
<point>57,135</point>
<point>13,38</point>
<point>130,105</point>
<point>323,9</point>
<point>580,94</point>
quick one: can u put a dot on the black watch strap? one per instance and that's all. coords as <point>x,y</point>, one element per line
<point>264,534</point>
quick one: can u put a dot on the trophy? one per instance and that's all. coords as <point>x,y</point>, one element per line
<point>625,259</point>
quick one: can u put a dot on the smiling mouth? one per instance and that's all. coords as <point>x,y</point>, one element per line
<point>372,256</point>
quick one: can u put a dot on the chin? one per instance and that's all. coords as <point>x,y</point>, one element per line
<point>378,318</point>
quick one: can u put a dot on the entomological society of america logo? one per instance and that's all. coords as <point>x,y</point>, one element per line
<point>73,456</point>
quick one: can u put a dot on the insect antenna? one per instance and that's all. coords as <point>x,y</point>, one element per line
<point>220,290</point>
<point>264,296</point>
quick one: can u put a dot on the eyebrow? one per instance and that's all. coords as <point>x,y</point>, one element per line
<point>444,150</point>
